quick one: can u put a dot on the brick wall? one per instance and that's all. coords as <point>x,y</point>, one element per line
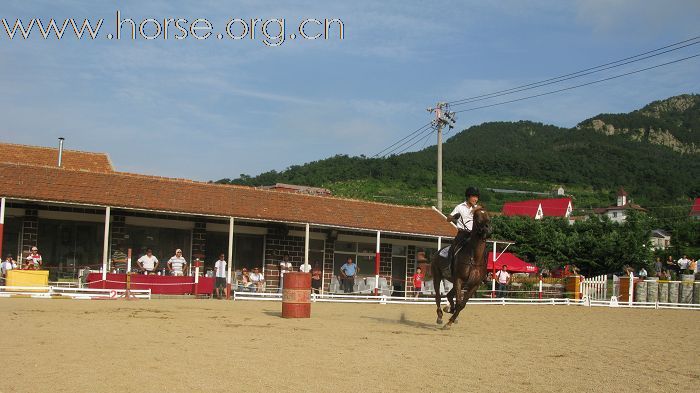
<point>410,268</point>
<point>277,244</point>
<point>328,272</point>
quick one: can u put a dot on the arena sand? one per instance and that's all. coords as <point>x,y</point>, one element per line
<point>220,346</point>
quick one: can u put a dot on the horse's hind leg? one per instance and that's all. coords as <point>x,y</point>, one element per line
<point>438,296</point>
<point>451,299</point>
<point>457,288</point>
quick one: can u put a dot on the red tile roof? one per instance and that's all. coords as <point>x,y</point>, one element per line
<point>695,210</point>
<point>122,190</point>
<point>523,208</point>
<point>48,156</point>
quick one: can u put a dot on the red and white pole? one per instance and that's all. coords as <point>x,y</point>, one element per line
<point>493,273</point>
<point>377,258</point>
<point>2,223</point>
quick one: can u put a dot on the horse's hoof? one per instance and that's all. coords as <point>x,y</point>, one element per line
<point>439,321</point>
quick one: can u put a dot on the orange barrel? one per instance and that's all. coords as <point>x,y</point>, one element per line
<point>296,295</point>
<point>573,288</point>
<point>624,295</point>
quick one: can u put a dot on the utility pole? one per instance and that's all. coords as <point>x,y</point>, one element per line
<point>443,117</point>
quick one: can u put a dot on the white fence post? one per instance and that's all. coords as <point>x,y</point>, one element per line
<point>631,289</point>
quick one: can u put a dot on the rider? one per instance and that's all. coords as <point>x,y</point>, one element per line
<point>463,216</point>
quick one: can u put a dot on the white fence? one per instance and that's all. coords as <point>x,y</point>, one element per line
<point>595,288</point>
<point>587,302</point>
<point>71,292</point>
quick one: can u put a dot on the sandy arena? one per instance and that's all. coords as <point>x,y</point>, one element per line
<point>245,346</point>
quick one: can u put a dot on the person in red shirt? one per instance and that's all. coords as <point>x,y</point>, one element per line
<point>418,281</point>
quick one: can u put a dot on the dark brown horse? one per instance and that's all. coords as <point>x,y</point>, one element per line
<point>469,271</point>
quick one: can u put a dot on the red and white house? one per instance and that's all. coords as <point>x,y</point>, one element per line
<point>695,210</point>
<point>619,211</point>
<point>538,208</point>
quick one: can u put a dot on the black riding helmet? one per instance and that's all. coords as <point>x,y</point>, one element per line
<point>471,191</point>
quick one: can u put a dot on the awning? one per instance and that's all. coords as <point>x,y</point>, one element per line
<point>514,264</point>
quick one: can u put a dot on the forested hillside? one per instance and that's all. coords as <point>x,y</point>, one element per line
<point>591,161</point>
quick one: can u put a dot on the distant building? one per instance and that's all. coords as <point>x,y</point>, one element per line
<point>298,189</point>
<point>660,239</point>
<point>619,211</point>
<point>538,208</point>
<point>695,210</point>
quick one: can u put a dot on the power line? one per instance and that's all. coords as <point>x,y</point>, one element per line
<point>394,147</point>
<point>577,74</point>
<point>393,144</point>
<point>429,130</point>
<point>416,142</point>
<point>577,86</point>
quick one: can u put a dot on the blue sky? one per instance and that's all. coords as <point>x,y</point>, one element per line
<point>211,109</point>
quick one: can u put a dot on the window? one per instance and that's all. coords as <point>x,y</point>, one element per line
<point>362,254</point>
<point>67,246</point>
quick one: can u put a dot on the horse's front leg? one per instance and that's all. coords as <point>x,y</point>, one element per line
<point>457,288</point>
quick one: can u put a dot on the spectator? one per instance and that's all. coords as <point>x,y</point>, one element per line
<point>693,266</point>
<point>285,266</point>
<point>418,277</point>
<point>148,263</point>
<point>658,266</point>
<point>664,275</point>
<point>347,274</point>
<point>257,279</point>
<point>246,285</point>
<point>220,276</point>
<point>177,264</point>
<point>316,278</point>
<point>670,265</point>
<point>683,265</point>
<point>34,260</point>
<point>7,265</point>
<point>642,273</point>
<point>503,278</point>
<point>305,267</point>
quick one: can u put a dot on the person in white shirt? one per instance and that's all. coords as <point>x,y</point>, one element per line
<point>305,267</point>
<point>463,217</point>
<point>34,260</point>
<point>148,263</point>
<point>683,264</point>
<point>257,279</point>
<point>220,274</point>
<point>177,264</point>
<point>643,273</point>
<point>503,278</point>
<point>285,266</point>
<point>7,265</point>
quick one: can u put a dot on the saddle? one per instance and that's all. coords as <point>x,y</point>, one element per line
<point>444,261</point>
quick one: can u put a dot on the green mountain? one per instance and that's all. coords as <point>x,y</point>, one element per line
<point>654,153</point>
